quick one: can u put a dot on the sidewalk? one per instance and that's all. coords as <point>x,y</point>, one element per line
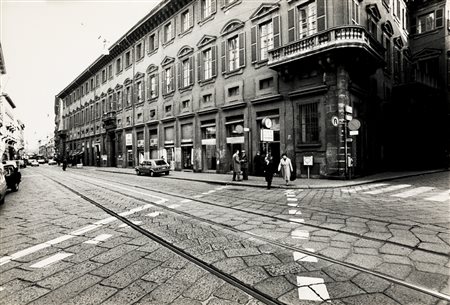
<point>254,181</point>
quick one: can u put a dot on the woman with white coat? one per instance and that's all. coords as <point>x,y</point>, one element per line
<point>286,167</point>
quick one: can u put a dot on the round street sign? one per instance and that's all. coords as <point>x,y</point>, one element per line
<point>267,122</point>
<point>354,124</point>
<point>335,121</point>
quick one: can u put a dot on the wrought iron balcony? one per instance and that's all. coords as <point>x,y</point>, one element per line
<point>109,120</point>
<point>352,36</point>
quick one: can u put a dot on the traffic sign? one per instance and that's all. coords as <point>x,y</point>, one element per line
<point>348,117</point>
<point>353,132</point>
<point>335,121</point>
<point>354,124</point>
<point>308,160</point>
<point>348,109</point>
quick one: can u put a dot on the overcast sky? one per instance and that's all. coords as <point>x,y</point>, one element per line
<point>46,44</point>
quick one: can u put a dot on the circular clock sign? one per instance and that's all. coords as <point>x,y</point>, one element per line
<point>267,123</point>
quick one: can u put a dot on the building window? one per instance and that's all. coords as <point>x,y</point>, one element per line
<point>168,80</point>
<point>152,42</point>
<point>430,21</point>
<point>128,121</point>
<point>118,65</point>
<point>139,51</point>
<point>186,21</point>
<point>168,32</point>
<point>128,59</point>
<point>387,4</point>
<point>128,96</point>
<point>309,123</point>
<point>110,71</point>
<point>139,92</point>
<point>208,7</point>
<point>207,98</point>
<point>372,26</point>
<point>266,39</point>
<point>152,114</point>
<point>388,54</point>
<point>185,104</point>
<point>207,64</point>
<point>186,76</point>
<point>153,86</point>
<point>168,109</point>
<point>233,91</point>
<point>139,117</point>
<point>233,53</point>
<point>307,19</point>
<point>266,83</point>
<point>104,76</point>
<point>355,12</point>
<point>92,83</point>
<point>119,100</point>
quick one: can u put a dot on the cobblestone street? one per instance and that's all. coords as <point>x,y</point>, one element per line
<point>90,237</point>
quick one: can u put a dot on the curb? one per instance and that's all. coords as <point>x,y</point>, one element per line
<point>355,183</point>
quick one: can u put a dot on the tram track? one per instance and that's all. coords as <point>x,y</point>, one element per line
<point>226,277</point>
<point>279,218</point>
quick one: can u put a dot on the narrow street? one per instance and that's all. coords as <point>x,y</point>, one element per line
<point>90,237</point>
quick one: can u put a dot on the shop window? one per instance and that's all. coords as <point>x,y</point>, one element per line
<point>309,124</point>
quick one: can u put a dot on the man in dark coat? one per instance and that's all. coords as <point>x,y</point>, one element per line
<point>269,170</point>
<point>244,165</point>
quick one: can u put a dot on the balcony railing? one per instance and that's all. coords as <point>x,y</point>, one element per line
<point>109,120</point>
<point>339,37</point>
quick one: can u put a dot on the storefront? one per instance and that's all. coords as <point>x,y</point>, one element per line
<point>129,149</point>
<point>209,151</point>
<point>235,139</point>
<point>187,150</point>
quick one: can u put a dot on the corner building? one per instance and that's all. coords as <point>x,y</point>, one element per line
<point>196,80</point>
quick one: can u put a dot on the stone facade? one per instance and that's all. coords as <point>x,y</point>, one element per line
<point>196,80</point>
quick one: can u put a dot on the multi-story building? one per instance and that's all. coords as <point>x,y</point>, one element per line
<point>194,81</point>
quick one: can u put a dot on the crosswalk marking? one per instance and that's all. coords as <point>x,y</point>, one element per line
<point>298,256</point>
<point>98,239</point>
<point>441,197</point>
<point>365,187</point>
<point>312,289</point>
<point>185,200</point>
<point>388,189</point>
<point>292,204</point>
<point>154,214</point>
<point>297,220</point>
<point>51,260</point>
<point>413,192</point>
<point>300,234</point>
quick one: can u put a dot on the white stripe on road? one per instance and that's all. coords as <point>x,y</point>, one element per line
<point>292,204</point>
<point>173,206</point>
<point>297,220</point>
<point>105,221</point>
<point>59,239</point>
<point>292,199</point>
<point>185,200</point>
<point>301,257</point>
<point>153,214</point>
<point>293,212</point>
<point>365,187</point>
<point>414,192</point>
<point>441,197</point>
<point>388,189</point>
<point>300,234</point>
<point>51,260</point>
<point>98,239</point>
<point>84,230</point>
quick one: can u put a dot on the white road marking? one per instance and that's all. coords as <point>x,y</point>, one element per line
<point>185,200</point>
<point>293,212</point>
<point>59,239</point>
<point>292,199</point>
<point>290,195</point>
<point>306,293</point>
<point>388,189</point>
<point>297,220</point>
<point>292,204</point>
<point>298,256</point>
<point>444,196</point>
<point>51,260</point>
<point>98,239</point>
<point>413,192</point>
<point>105,221</point>
<point>2,288</point>
<point>173,206</point>
<point>154,214</point>
<point>366,187</point>
<point>84,230</point>
<point>300,234</point>
<point>198,196</point>
<point>136,222</point>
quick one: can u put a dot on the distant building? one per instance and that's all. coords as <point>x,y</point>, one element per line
<point>346,82</point>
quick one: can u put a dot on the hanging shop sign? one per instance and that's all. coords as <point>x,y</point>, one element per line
<point>335,121</point>
<point>308,160</point>
<point>266,135</point>
<point>128,139</point>
<point>267,123</point>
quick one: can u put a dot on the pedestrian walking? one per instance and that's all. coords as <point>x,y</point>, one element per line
<point>286,167</point>
<point>258,162</point>
<point>268,170</point>
<point>244,165</point>
<point>64,164</point>
<point>236,166</point>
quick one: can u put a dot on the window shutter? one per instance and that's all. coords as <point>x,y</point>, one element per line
<point>172,78</point>
<point>276,31</point>
<point>199,66</point>
<point>213,6</point>
<point>291,24</point>
<point>143,89</point>
<point>191,16</point>
<point>174,30</point>
<point>439,18</point>
<point>253,38</point>
<point>199,10</point>
<point>156,39</point>
<point>214,60</point>
<point>149,95</point>
<point>242,49</point>
<point>178,23</point>
<point>163,81</point>
<point>147,44</point>
<point>321,15</point>
<point>156,84</point>
<point>180,68</point>
<point>191,70</point>
<point>223,57</point>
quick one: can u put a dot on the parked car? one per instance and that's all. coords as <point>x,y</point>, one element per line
<point>41,161</point>
<point>152,167</point>
<point>51,162</point>
<point>12,175</point>
<point>34,163</point>
<point>3,186</point>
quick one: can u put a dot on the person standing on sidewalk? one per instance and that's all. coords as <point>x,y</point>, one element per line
<point>268,170</point>
<point>286,167</point>
<point>244,165</point>
<point>236,166</point>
